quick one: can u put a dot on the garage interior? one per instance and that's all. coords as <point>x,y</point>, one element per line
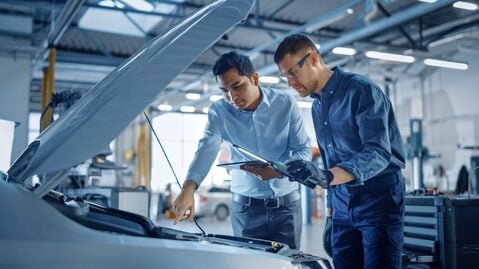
<point>423,54</point>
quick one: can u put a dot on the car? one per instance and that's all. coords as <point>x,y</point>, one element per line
<point>43,228</point>
<point>214,201</point>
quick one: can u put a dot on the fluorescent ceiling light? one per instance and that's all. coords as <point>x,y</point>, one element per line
<point>215,97</point>
<point>269,79</point>
<point>427,1</point>
<point>139,4</point>
<point>303,104</point>
<point>446,64</point>
<point>205,110</point>
<point>164,107</point>
<point>187,109</point>
<point>344,51</point>
<point>389,56</point>
<point>193,96</point>
<point>465,5</point>
<point>106,3</point>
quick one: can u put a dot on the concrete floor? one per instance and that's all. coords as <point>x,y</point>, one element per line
<point>311,239</point>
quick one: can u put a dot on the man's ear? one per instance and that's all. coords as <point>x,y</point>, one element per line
<point>255,78</point>
<point>315,58</point>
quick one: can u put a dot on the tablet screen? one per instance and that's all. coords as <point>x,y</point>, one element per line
<point>237,165</point>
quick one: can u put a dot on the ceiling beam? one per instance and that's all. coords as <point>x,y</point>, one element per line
<point>374,28</point>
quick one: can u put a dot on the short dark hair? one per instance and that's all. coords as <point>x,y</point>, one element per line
<point>232,59</point>
<point>293,44</point>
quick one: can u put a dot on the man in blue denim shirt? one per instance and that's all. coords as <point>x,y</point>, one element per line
<point>362,150</point>
<point>265,121</point>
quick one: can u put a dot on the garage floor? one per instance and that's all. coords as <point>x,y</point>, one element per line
<point>311,241</point>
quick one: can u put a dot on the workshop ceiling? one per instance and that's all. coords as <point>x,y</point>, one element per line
<point>87,50</point>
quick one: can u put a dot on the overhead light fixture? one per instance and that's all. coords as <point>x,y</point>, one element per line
<point>193,96</point>
<point>303,104</point>
<point>106,3</point>
<point>139,5</point>
<point>446,64</point>
<point>215,97</point>
<point>389,56</point>
<point>205,110</point>
<point>164,107</point>
<point>269,79</point>
<point>344,51</point>
<point>428,1</point>
<point>465,5</point>
<point>187,109</point>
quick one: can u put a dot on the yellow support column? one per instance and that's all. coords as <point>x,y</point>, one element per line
<point>48,86</point>
<point>143,164</point>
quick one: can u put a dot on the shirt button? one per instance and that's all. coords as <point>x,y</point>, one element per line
<point>325,123</point>
<point>330,145</point>
<point>331,92</point>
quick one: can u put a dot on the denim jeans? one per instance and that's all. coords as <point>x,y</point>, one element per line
<point>282,224</point>
<point>368,227</point>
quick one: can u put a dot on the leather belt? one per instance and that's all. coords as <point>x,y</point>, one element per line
<point>273,202</point>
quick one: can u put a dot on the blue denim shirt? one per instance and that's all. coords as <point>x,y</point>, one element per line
<point>274,131</point>
<point>356,128</point>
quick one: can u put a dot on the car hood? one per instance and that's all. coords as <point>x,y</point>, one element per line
<point>104,111</point>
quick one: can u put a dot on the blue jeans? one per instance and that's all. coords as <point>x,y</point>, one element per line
<point>368,224</point>
<point>252,218</point>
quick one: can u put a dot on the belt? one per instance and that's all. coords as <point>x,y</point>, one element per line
<point>374,184</point>
<point>273,202</point>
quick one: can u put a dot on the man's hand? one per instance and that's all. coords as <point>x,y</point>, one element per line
<point>263,172</point>
<point>185,202</point>
<point>307,173</point>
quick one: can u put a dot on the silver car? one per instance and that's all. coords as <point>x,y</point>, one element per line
<point>42,228</point>
<point>214,201</point>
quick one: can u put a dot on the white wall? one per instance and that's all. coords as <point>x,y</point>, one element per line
<point>447,100</point>
<point>15,76</point>
<point>179,134</point>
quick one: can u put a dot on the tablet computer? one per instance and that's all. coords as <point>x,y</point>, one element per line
<point>237,165</point>
<point>258,160</point>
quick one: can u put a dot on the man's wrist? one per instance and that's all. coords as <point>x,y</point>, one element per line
<point>189,186</point>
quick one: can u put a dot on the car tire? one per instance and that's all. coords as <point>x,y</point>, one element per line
<point>222,212</point>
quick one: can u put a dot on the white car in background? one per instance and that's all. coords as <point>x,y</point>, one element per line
<point>214,201</point>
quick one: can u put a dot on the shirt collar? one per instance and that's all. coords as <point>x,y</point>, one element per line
<point>265,98</point>
<point>331,84</point>
<point>264,101</point>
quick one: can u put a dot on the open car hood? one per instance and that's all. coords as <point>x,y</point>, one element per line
<point>57,232</point>
<point>104,111</point>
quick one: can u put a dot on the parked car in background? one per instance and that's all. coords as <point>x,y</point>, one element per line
<point>214,201</point>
